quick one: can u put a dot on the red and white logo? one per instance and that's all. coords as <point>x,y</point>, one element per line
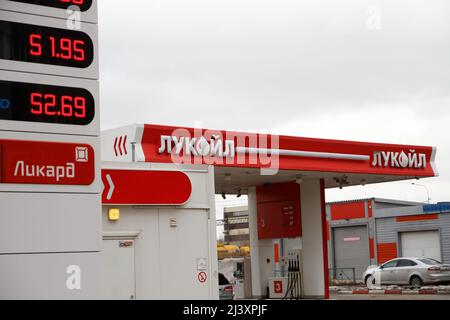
<point>38,162</point>
<point>81,154</point>
<point>400,159</point>
<point>271,153</point>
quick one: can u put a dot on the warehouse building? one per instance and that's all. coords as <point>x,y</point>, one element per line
<point>236,227</point>
<point>372,231</point>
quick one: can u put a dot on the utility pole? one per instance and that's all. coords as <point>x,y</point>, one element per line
<point>424,186</point>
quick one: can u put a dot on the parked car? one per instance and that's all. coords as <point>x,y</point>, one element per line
<point>403,271</point>
<point>226,291</point>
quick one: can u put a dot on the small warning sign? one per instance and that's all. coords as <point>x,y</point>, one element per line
<point>202,277</point>
<point>201,264</point>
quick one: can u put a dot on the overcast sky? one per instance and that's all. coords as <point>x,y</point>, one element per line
<point>360,70</point>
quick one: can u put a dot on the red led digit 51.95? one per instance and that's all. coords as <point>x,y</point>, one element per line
<point>45,45</point>
<point>60,48</point>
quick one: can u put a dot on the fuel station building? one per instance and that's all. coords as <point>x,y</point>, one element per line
<point>158,200</point>
<point>157,239</point>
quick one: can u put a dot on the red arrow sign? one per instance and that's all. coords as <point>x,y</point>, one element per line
<point>37,162</point>
<point>145,187</point>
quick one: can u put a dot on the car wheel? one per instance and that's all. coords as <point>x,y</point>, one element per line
<point>370,282</point>
<point>415,281</point>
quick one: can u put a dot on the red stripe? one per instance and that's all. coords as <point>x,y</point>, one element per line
<point>353,210</point>
<point>386,251</point>
<point>393,291</point>
<point>324,239</point>
<point>428,291</point>
<point>361,291</point>
<point>120,145</point>
<point>115,146</point>
<point>369,208</point>
<point>328,230</point>
<point>125,145</point>
<point>276,252</point>
<point>371,249</point>
<point>1,164</point>
<point>418,217</point>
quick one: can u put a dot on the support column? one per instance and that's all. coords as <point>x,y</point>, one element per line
<point>314,243</point>
<point>257,288</point>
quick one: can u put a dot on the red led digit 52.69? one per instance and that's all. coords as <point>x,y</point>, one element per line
<point>52,105</point>
<point>34,102</point>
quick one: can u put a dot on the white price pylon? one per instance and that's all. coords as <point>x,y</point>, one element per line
<point>50,227</point>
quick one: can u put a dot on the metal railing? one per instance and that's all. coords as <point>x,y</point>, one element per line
<point>347,275</point>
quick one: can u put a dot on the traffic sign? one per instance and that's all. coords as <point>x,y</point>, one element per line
<point>202,277</point>
<point>145,187</point>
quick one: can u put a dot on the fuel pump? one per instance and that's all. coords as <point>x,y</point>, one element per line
<point>287,279</point>
<point>294,276</point>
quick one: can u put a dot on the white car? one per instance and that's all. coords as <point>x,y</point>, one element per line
<point>226,290</point>
<point>403,271</point>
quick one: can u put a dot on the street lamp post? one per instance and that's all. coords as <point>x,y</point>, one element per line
<point>424,186</point>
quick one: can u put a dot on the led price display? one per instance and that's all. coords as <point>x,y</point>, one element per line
<point>84,5</point>
<point>32,43</point>
<point>45,103</point>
